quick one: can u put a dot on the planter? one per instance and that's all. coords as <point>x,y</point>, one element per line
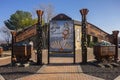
<point>1,50</point>
<point>104,52</point>
<point>29,50</point>
<point>22,52</point>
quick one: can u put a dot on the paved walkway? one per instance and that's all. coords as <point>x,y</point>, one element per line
<point>61,69</point>
<point>7,59</point>
<point>60,72</point>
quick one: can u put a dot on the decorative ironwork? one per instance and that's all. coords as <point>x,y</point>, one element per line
<point>84,35</point>
<point>39,37</point>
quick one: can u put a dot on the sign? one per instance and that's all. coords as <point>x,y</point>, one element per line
<point>27,33</point>
<point>61,36</point>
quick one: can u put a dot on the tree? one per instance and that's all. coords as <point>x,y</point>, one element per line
<point>47,16</point>
<point>9,25</point>
<point>20,20</point>
<point>48,11</point>
<point>6,34</point>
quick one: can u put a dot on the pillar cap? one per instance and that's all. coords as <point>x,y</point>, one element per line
<point>84,11</point>
<point>13,32</point>
<point>116,32</point>
<point>39,12</point>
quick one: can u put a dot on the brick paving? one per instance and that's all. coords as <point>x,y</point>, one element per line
<point>5,60</point>
<point>60,72</point>
<point>59,69</point>
<point>68,59</point>
<point>1,77</point>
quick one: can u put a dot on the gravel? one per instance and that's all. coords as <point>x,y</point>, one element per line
<point>104,73</point>
<point>12,73</point>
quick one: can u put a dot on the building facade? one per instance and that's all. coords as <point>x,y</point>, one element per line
<point>94,34</point>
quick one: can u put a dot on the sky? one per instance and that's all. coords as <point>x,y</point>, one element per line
<point>104,14</point>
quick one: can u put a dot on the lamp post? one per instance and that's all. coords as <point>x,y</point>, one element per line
<point>12,43</point>
<point>84,35</point>
<point>39,37</point>
<point>115,41</point>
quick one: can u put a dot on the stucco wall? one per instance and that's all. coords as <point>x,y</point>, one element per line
<point>77,36</point>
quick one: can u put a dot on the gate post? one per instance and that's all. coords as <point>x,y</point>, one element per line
<point>13,41</point>
<point>84,35</point>
<point>39,37</point>
<point>115,41</point>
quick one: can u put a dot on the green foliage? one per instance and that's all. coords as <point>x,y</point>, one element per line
<point>20,20</point>
<point>91,44</point>
<point>9,25</point>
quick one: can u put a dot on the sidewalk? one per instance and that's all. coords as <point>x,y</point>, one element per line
<point>7,59</point>
<point>62,68</point>
<point>60,72</point>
